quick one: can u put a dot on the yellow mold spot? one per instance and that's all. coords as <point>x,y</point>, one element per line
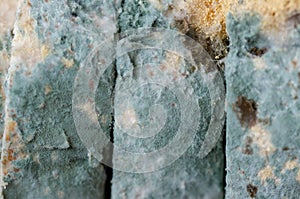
<point>262,139</point>
<point>209,16</point>
<point>290,165</point>
<point>68,63</point>
<point>45,51</point>
<point>26,47</point>
<point>267,173</point>
<point>207,19</point>
<point>48,89</point>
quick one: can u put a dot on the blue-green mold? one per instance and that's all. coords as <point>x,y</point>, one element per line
<point>189,176</point>
<point>262,142</point>
<point>47,158</point>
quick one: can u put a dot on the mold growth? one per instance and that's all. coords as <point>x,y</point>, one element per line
<point>267,173</point>
<point>277,16</point>
<point>68,63</point>
<point>248,150</point>
<point>262,139</point>
<point>290,165</point>
<point>26,47</point>
<point>258,51</point>
<point>203,20</point>
<point>252,190</point>
<point>208,19</point>
<point>12,152</point>
<point>209,16</point>
<point>246,110</point>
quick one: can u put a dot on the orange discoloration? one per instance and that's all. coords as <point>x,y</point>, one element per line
<point>11,126</point>
<point>11,156</point>
<point>7,137</point>
<point>206,21</point>
<point>4,160</point>
<point>12,148</point>
<point>16,170</point>
<point>209,16</point>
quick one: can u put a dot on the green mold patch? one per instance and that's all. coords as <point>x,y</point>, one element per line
<point>42,156</point>
<point>262,125</point>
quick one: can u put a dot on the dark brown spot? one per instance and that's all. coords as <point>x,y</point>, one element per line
<point>11,155</point>
<point>252,190</point>
<point>193,69</point>
<point>265,121</point>
<point>16,170</point>
<point>285,148</point>
<point>12,34</point>
<point>246,111</point>
<point>171,7</point>
<point>248,149</point>
<point>294,62</point>
<point>258,51</point>
<point>182,25</point>
<point>29,4</point>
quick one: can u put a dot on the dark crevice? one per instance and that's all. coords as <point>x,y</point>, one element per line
<point>108,151</point>
<point>224,155</point>
<point>224,149</point>
<point>109,176</point>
